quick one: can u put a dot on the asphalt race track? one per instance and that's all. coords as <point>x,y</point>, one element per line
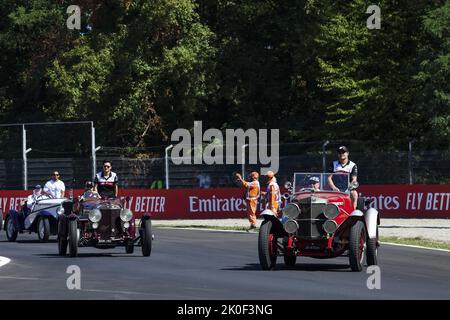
<point>195,264</point>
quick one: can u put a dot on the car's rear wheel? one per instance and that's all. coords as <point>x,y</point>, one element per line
<point>62,245</point>
<point>372,251</point>
<point>267,246</point>
<point>290,260</point>
<point>146,237</point>
<point>73,238</point>
<point>11,231</point>
<point>129,246</point>
<point>357,246</point>
<point>43,229</point>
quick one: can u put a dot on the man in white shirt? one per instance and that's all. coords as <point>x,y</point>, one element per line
<point>55,187</point>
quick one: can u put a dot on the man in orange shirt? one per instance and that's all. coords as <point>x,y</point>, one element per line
<point>251,196</point>
<point>272,195</point>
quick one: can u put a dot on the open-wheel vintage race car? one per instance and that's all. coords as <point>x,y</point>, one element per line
<point>319,222</point>
<point>102,223</point>
<point>40,216</point>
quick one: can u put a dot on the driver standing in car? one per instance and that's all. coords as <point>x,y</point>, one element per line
<point>106,182</point>
<point>343,164</point>
<point>55,187</point>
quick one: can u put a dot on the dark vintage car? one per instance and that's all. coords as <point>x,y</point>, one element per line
<point>102,223</point>
<point>320,222</point>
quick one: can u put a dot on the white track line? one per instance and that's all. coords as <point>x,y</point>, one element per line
<point>4,261</point>
<point>413,246</point>
<point>236,231</point>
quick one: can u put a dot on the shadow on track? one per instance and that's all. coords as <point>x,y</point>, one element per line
<point>298,267</point>
<point>36,241</point>
<point>88,255</point>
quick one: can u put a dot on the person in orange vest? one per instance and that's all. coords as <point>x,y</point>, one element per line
<point>272,194</point>
<point>251,196</point>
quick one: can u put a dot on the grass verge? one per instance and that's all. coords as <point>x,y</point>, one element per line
<point>418,241</point>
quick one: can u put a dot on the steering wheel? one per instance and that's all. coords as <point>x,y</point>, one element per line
<point>308,189</point>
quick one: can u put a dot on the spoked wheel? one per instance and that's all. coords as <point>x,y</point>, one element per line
<point>372,251</point>
<point>73,238</point>
<point>146,237</point>
<point>62,245</point>
<point>267,246</point>
<point>357,246</point>
<point>11,231</point>
<point>129,246</point>
<point>43,229</point>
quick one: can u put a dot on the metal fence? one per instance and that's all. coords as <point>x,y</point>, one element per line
<point>146,169</point>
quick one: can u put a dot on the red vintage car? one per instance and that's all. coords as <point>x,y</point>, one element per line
<point>319,222</point>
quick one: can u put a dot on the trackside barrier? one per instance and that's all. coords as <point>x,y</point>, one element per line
<point>392,201</point>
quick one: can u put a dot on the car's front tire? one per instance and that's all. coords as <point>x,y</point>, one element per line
<point>357,246</point>
<point>73,238</point>
<point>62,245</point>
<point>43,229</point>
<point>372,251</point>
<point>129,246</point>
<point>267,246</point>
<point>146,237</point>
<point>11,231</point>
<point>290,260</point>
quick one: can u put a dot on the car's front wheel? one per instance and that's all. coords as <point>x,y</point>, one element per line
<point>290,260</point>
<point>372,251</point>
<point>129,246</point>
<point>73,238</point>
<point>146,237</point>
<point>357,246</point>
<point>267,246</point>
<point>11,231</point>
<point>43,229</point>
<point>62,245</point>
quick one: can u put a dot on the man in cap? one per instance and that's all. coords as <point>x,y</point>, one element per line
<point>251,196</point>
<point>343,164</point>
<point>272,194</point>
<point>31,199</point>
<point>315,183</point>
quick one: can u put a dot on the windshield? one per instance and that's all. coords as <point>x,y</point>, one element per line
<point>90,195</point>
<point>320,182</point>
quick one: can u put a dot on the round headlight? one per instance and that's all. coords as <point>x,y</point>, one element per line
<point>331,211</point>
<point>291,226</point>
<point>95,215</point>
<point>291,210</point>
<point>60,210</point>
<point>126,215</point>
<point>95,225</point>
<point>330,226</point>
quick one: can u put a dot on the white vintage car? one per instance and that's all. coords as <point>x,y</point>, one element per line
<point>41,216</point>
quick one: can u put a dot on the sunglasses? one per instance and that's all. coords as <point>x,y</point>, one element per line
<point>106,166</point>
<point>55,175</point>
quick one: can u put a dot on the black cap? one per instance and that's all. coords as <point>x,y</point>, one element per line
<point>342,149</point>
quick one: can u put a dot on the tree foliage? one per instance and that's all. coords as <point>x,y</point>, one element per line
<point>141,68</point>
